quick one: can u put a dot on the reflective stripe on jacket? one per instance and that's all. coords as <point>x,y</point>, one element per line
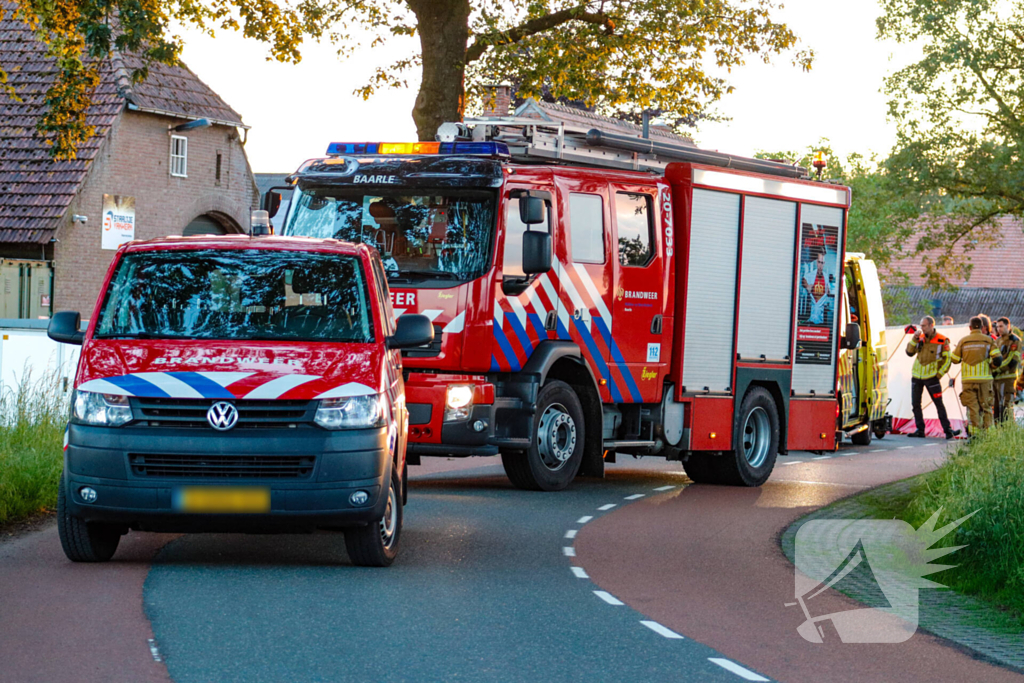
<point>1009,349</point>
<point>931,356</point>
<point>976,351</point>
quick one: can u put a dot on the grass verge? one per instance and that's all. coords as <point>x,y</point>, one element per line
<point>987,476</point>
<point>32,420</point>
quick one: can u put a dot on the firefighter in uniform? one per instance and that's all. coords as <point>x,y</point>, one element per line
<point>930,350</point>
<point>978,352</point>
<point>1004,375</point>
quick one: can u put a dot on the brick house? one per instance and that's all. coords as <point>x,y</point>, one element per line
<point>994,286</point>
<point>52,213</point>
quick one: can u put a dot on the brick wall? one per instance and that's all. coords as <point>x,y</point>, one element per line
<point>134,160</point>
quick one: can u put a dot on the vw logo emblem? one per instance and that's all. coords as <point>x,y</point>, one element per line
<point>222,415</point>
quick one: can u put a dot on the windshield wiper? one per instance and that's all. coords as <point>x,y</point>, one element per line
<point>139,335</point>
<point>425,274</point>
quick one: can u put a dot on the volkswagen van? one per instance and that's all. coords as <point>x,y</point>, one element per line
<point>238,384</point>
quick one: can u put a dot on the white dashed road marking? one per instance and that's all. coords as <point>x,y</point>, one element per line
<point>796,462</point>
<point>664,488</point>
<point>584,519</point>
<point>571,533</point>
<point>608,597</point>
<point>580,574</point>
<point>609,506</point>
<point>635,496</point>
<point>903,448</point>
<point>929,445</point>
<point>876,450</point>
<point>569,551</point>
<point>661,630</point>
<point>822,457</point>
<point>153,650</point>
<point>737,669</point>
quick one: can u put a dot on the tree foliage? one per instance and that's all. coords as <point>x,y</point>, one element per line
<point>960,117</point>
<point>620,56</point>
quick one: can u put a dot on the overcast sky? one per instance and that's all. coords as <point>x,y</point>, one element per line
<point>295,110</point>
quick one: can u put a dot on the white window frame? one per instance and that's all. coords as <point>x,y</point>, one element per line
<point>179,159</point>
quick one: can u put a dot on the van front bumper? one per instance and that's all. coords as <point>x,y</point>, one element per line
<point>310,474</point>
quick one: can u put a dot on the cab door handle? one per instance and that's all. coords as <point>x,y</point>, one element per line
<point>656,324</point>
<point>551,321</point>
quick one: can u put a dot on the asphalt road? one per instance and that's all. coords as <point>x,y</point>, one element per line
<point>492,584</point>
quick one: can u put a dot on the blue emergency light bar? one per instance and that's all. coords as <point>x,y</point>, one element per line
<point>487,149</point>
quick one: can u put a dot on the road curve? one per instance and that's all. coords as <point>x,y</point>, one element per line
<point>707,564</point>
<point>493,584</point>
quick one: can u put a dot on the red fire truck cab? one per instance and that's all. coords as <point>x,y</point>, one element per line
<point>595,294</point>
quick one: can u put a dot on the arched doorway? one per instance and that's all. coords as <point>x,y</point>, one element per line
<point>212,223</point>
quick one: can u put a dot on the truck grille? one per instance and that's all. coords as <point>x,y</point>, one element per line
<point>222,466</point>
<point>252,414</point>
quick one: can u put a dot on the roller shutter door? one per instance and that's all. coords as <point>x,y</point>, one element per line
<point>766,287</point>
<point>711,291</point>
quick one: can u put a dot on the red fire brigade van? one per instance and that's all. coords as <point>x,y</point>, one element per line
<point>595,294</point>
<point>238,384</point>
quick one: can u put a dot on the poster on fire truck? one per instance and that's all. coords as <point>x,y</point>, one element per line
<point>118,220</point>
<point>819,284</point>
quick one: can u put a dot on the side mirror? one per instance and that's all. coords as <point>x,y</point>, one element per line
<point>272,202</point>
<point>64,328</point>
<point>531,210</point>
<point>851,340</point>
<point>411,330</point>
<point>536,252</point>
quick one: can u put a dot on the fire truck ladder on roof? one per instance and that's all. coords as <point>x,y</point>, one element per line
<point>535,141</point>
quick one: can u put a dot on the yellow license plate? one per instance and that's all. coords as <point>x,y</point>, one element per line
<point>222,499</point>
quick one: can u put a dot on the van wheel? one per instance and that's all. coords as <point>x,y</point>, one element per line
<point>376,544</point>
<point>861,438</point>
<point>755,442</point>
<point>555,455</point>
<point>84,541</point>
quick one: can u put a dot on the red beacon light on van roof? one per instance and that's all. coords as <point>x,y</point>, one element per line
<point>483,149</point>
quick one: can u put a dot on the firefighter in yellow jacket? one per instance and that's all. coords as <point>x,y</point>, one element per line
<point>930,350</point>
<point>1004,375</point>
<point>978,352</point>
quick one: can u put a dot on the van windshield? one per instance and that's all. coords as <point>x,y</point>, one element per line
<point>431,235</point>
<point>238,294</point>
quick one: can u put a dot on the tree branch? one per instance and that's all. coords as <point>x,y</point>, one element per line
<point>540,25</point>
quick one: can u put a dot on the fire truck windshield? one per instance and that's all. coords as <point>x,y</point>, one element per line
<point>245,294</point>
<point>431,235</point>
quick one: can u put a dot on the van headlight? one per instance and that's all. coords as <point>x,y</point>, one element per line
<point>458,402</point>
<point>351,412</point>
<point>104,410</point>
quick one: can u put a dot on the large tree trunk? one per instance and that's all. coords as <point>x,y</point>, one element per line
<point>444,35</point>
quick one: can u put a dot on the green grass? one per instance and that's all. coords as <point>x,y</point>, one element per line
<point>987,476</point>
<point>32,420</point>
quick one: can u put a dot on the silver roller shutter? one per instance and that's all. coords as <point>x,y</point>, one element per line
<point>766,279</point>
<point>811,378</point>
<point>711,291</point>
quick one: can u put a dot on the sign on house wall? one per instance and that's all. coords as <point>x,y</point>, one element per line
<point>118,220</point>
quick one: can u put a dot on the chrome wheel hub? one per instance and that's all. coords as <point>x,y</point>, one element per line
<point>556,436</point>
<point>756,437</point>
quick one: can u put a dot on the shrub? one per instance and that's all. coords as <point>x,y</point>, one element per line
<point>33,416</point>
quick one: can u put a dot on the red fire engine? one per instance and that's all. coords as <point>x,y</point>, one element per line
<point>595,294</point>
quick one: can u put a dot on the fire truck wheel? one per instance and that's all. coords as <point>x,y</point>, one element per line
<point>700,467</point>
<point>557,451</point>
<point>82,541</point>
<point>755,441</point>
<point>376,544</point>
<point>861,438</point>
